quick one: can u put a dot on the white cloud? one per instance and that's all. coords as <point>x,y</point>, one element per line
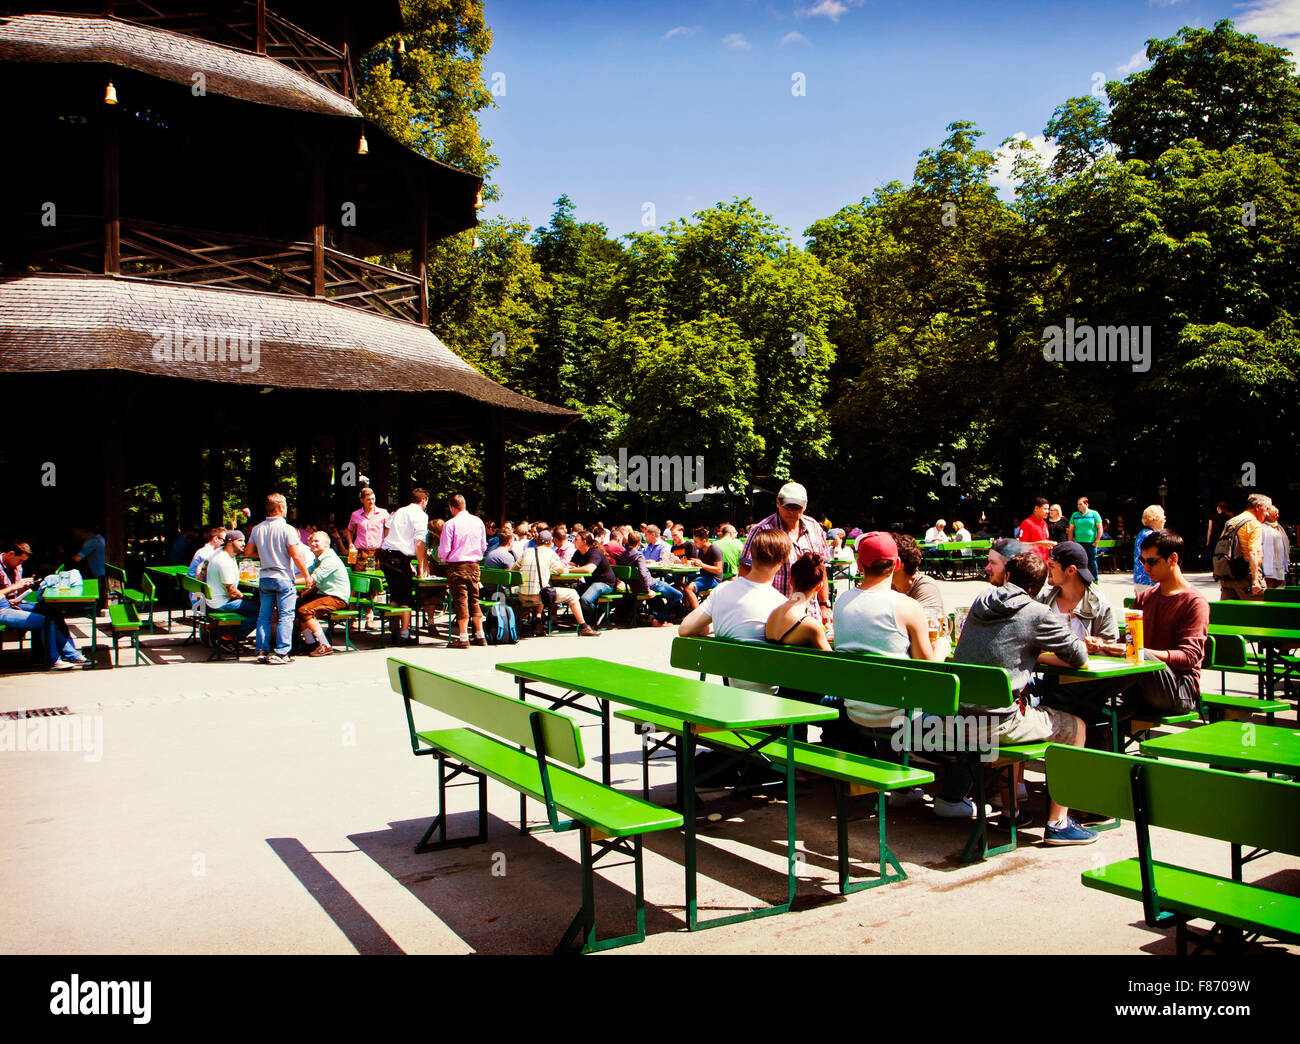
<point>736,41</point>
<point>1273,21</point>
<point>790,38</point>
<point>1002,179</point>
<point>1137,60</point>
<point>681,30</point>
<point>831,9</point>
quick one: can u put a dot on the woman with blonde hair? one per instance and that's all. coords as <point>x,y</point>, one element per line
<point>1153,518</point>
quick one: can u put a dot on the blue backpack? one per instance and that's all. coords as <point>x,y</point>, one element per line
<point>500,625</point>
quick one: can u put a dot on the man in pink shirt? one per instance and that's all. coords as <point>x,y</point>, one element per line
<point>461,548</point>
<point>366,526</point>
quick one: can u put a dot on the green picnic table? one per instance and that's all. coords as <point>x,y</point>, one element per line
<point>1272,626</point>
<point>68,603</point>
<point>1099,666</point>
<point>172,574</point>
<point>704,706</point>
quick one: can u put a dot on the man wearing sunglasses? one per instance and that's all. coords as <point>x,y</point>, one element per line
<point>1175,618</point>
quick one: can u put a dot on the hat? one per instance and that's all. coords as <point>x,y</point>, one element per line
<point>544,537</point>
<point>233,534</point>
<point>1007,547</point>
<point>1069,553</point>
<point>794,493</point>
<point>874,547</point>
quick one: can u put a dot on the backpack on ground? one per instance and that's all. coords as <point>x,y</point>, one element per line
<point>500,625</point>
<point>1229,562</point>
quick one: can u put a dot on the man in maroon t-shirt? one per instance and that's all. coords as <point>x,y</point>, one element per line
<point>1175,619</point>
<point>1033,530</point>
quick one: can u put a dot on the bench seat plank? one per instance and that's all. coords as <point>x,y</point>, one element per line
<point>587,800</point>
<point>1199,894</point>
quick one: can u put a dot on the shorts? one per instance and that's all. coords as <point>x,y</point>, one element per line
<point>563,596</point>
<point>1036,725</point>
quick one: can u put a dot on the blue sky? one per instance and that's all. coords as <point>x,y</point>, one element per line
<point>620,103</point>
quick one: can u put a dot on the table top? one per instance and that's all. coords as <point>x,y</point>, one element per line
<point>1099,666</point>
<point>1233,744</point>
<point>1257,634</point>
<point>704,703</point>
<point>657,567</point>
<point>423,580</point>
<point>89,593</point>
<point>169,570</point>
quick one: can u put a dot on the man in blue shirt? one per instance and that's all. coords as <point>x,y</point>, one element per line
<point>90,559</point>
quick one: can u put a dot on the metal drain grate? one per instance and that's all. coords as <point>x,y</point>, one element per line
<point>39,712</point>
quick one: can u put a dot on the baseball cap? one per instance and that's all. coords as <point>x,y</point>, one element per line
<point>1007,547</point>
<point>233,534</point>
<point>793,493</point>
<point>873,547</point>
<point>1069,553</point>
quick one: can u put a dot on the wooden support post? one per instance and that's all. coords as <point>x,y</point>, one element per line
<point>317,227</point>
<point>112,194</point>
<point>261,26</point>
<point>307,504</point>
<point>113,448</point>
<point>405,478</point>
<point>216,484</point>
<point>422,253</point>
<point>494,469</point>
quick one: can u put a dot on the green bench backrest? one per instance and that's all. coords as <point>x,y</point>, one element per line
<point>980,686</point>
<point>1226,806</point>
<point>115,573</point>
<point>1256,614</point>
<point>1224,650</point>
<point>1282,594</point>
<point>810,670</point>
<point>358,585</point>
<point>503,716</point>
<point>147,588</point>
<point>500,577</point>
<point>194,585</point>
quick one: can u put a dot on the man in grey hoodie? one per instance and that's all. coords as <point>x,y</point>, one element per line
<point>1008,628</point>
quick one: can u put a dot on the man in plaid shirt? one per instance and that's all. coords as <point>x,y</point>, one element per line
<point>535,569</point>
<point>805,535</point>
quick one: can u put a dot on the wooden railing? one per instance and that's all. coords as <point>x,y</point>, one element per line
<point>184,255</point>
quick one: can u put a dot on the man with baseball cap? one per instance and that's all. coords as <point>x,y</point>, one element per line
<point>223,582</point>
<point>805,535</point>
<point>1002,551</point>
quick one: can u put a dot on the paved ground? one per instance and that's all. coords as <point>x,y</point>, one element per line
<point>237,808</point>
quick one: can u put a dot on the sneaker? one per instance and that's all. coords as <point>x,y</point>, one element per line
<point>963,809</point>
<point>276,659</point>
<point>587,631</point>
<point>263,657</point>
<point>77,661</point>
<point>1070,834</point>
<point>62,665</point>
<point>322,650</point>
<point>1023,819</point>
<point>903,798</point>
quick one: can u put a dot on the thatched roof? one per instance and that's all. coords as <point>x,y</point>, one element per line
<point>168,56</point>
<point>51,323</point>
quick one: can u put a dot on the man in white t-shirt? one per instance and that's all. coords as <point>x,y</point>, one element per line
<point>739,608</point>
<point>402,548</point>
<point>937,533</point>
<point>223,582</point>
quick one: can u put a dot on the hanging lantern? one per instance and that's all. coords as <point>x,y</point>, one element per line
<point>110,95</point>
<point>401,46</point>
<point>362,147</point>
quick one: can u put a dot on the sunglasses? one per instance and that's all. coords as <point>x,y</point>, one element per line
<point>1149,562</point>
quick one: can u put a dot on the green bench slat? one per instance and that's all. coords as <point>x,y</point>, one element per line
<point>1199,894</point>
<point>1169,719</point>
<point>834,764</point>
<point>1253,703</point>
<point>120,620</point>
<point>587,800</point>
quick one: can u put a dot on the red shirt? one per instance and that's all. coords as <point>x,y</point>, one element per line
<point>1035,528</point>
<point>1177,622</point>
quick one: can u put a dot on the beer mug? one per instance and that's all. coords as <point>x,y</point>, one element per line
<point>932,622</point>
<point>959,620</point>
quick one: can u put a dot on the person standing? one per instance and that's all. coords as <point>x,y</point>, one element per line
<point>279,548</point>
<point>1276,549</point>
<point>1153,518</point>
<point>1245,579</point>
<point>1034,533</point>
<point>1214,530</point>
<point>1058,526</point>
<point>366,526</point>
<point>460,549</point>
<point>402,548</point>
<point>1086,529</point>
<point>805,535</point>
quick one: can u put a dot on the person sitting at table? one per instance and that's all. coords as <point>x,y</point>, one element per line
<point>680,547</point>
<point>223,581</point>
<point>937,533</point>
<point>654,548</point>
<point>908,578</point>
<point>730,544</point>
<point>216,537</point>
<point>51,642</point>
<point>328,592</point>
<point>589,558</point>
<point>740,608</point>
<point>1000,553</point>
<point>642,582</point>
<point>535,568</point>
<point>708,560</point>
<point>792,623</point>
<point>501,557</point>
<point>960,533</point>
<point>1008,628</point>
<point>563,544</point>
<point>1175,622</point>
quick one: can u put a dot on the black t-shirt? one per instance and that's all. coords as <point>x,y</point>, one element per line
<point>711,555</point>
<point>603,573</point>
<point>1059,530</point>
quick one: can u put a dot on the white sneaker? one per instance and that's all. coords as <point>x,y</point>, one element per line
<point>903,798</point>
<point>963,809</point>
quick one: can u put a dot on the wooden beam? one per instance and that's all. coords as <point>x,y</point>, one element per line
<point>113,447</point>
<point>112,195</point>
<point>216,484</point>
<point>494,469</point>
<point>422,252</point>
<point>317,227</point>
<point>261,26</point>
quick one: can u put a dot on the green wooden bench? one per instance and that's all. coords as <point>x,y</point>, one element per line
<point>850,774</point>
<point>1226,653</point>
<point>523,747</point>
<point>982,689</point>
<point>144,598</point>
<point>216,623</point>
<point>123,620</point>
<point>358,589</point>
<point>1206,802</point>
<point>1282,594</point>
<point>625,573</point>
